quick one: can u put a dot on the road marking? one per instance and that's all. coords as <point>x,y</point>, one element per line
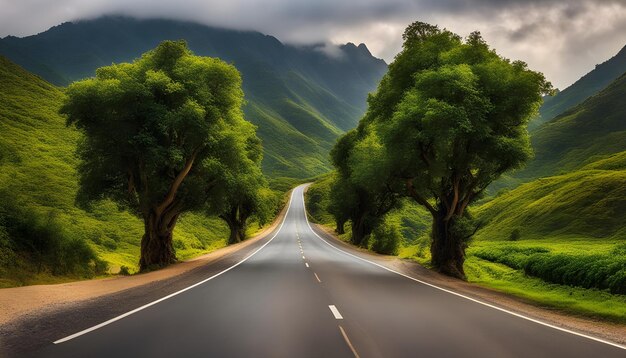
<point>460,295</point>
<point>345,336</point>
<point>304,258</point>
<point>317,277</point>
<point>335,312</point>
<point>114,319</point>
<point>307,264</point>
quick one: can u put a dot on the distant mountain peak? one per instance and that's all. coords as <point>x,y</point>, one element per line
<point>364,49</point>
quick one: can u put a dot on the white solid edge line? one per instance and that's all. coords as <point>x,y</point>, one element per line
<point>460,295</point>
<point>177,292</point>
<point>335,312</point>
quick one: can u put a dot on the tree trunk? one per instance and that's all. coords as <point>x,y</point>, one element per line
<point>237,232</point>
<point>157,248</point>
<point>340,227</point>
<point>447,251</point>
<point>359,231</point>
<point>236,221</point>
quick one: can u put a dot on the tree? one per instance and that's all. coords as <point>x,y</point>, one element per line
<point>360,193</point>
<point>452,117</point>
<point>242,192</point>
<point>159,133</point>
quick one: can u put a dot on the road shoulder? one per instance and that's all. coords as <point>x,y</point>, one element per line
<point>612,332</point>
<point>33,316</point>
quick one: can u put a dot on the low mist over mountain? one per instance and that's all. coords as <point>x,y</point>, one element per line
<point>301,98</point>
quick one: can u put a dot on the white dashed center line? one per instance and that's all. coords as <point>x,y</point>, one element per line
<point>318,280</point>
<point>335,311</point>
<point>307,264</point>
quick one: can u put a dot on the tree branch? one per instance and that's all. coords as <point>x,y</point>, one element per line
<point>455,199</point>
<point>419,199</point>
<point>171,194</point>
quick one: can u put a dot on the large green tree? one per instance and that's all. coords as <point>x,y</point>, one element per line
<point>160,133</point>
<point>452,115</point>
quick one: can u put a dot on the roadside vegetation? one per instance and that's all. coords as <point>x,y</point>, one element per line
<point>556,240</point>
<point>564,260</point>
<point>45,236</point>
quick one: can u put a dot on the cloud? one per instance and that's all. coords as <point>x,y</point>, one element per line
<point>563,39</point>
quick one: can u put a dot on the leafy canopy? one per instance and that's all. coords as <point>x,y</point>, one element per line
<point>162,129</point>
<point>452,115</point>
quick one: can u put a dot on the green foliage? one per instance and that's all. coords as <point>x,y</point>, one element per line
<point>146,122</point>
<point>360,192</point>
<point>587,271</point>
<point>38,169</point>
<point>447,119</point>
<point>598,304</point>
<point>160,134</point>
<point>124,271</point>
<point>318,199</point>
<point>36,244</point>
<point>385,239</point>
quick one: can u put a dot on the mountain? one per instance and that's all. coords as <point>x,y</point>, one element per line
<point>301,98</point>
<point>587,132</point>
<point>590,84</point>
<point>43,235</point>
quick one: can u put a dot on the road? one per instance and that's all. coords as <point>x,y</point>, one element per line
<point>298,295</point>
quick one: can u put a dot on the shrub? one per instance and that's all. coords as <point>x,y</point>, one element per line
<point>42,242</point>
<point>124,271</point>
<point>515,235</point>
<point>385,239</point>
<point>606,271</point>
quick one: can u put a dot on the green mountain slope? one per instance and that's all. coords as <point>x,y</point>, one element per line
<point>300,97</point>
<point>587,86</point>
<point>592,130</point>
<point>38,184</point>
<point>590,203</point>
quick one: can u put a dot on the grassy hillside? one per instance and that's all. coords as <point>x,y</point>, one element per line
<point>40,226</point>
<point>590,84</point>
<point>586,133</point>
<point>300,98</point>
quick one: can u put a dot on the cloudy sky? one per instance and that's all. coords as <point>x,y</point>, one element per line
<point>562,38</point>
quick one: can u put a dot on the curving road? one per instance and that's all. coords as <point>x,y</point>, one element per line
<point>300,296</point>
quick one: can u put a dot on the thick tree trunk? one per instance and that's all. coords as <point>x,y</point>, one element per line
<point>157,248</point>
<point>237,232</point>
<point>447,251</point>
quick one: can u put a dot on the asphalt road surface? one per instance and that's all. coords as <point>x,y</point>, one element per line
<point>300,296</point>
